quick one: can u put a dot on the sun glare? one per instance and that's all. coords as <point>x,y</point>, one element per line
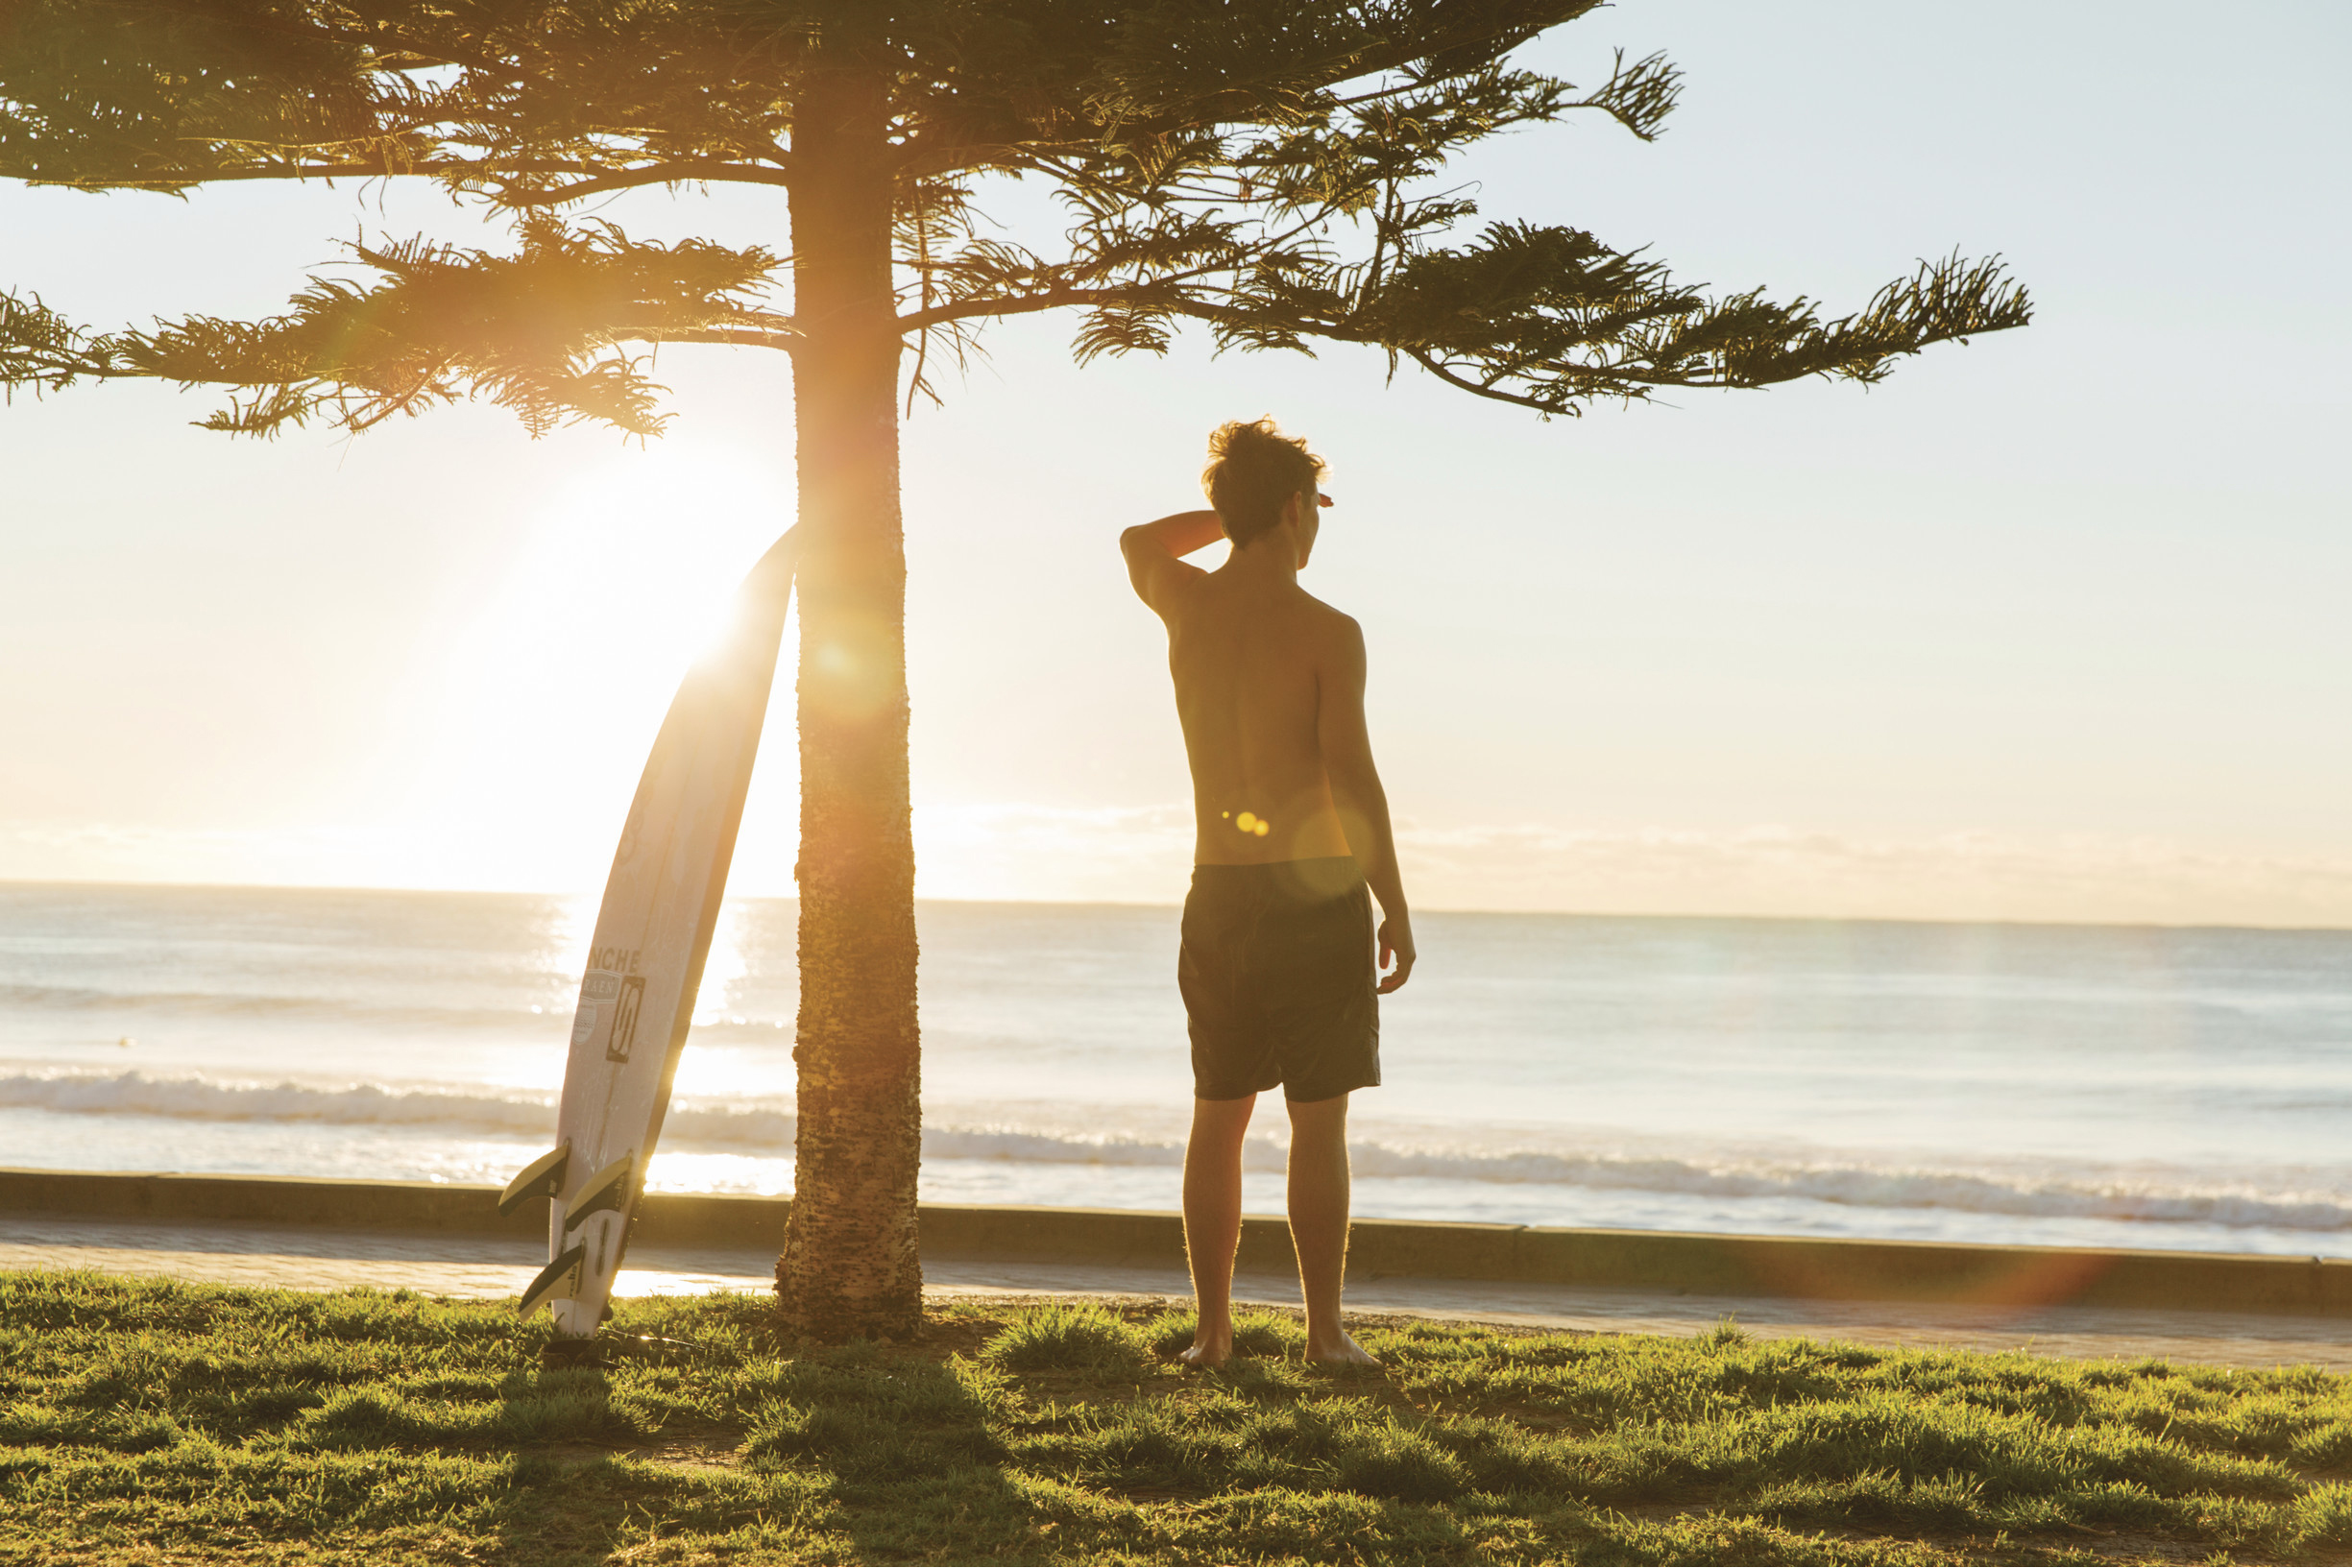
<point>724,967</point>
<point>558,679</point>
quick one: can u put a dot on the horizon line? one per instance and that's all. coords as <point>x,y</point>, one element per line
<point>1145,904</point>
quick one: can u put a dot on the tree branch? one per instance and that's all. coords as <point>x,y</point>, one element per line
<point>1447,375</point>
<point>1017,306</point>
<point>667,173</point>
<point>663,174</point>
<point>785,342</point>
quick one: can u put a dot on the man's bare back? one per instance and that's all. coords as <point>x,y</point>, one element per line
<point>1269,690</point>
<point>1292,844</point>
<point>1250,658</point>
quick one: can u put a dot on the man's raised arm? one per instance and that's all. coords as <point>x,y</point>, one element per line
<point>1346,745</point>
<point>1155,551</point>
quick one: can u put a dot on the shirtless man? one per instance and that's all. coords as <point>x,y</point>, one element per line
<point>1291,825</point>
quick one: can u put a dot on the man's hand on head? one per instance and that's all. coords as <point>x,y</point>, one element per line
<point>1396,949</point>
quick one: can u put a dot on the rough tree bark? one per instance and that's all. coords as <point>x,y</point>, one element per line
<point>849,1262</point>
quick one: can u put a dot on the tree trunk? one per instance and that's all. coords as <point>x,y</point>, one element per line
<point>849,1263</point>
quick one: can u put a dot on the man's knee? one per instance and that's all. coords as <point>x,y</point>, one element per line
<point>1319,1113</point>
<point>1222,1120</point>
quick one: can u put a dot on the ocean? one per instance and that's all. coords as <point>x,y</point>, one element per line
<point>2108,1086</point>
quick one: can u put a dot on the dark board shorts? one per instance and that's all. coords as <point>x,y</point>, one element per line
<point>1278,978</point>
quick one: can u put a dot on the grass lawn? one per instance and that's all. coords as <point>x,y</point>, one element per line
<point>146,1421</point>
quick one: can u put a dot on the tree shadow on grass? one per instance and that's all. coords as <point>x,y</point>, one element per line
<point>903,1447</point>
<point>930,1462</point>
<point>593,1475</point>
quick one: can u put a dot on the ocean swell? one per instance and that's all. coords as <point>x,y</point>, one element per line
<point>768,1129</point>
<point>266,1005</point>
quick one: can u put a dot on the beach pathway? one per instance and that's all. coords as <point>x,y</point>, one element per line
<point>470,1266</point>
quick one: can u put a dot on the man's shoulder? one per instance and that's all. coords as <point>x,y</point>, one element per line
<point>1330,619</point>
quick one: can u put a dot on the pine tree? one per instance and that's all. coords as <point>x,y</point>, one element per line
<point>1270,170</point>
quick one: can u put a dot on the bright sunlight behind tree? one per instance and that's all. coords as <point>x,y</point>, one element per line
<point>1274,171</point>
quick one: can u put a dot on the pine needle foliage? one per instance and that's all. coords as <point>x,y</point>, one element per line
<point>1272,172</point>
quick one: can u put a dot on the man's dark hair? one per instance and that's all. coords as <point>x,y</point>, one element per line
<point>1254,469</point>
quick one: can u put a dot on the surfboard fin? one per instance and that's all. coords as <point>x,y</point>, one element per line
<point>542,1177</point>
<point>558,1280</point>
<point>607,1188</point>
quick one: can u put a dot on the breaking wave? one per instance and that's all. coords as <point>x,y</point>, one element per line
<point>204,1099</point>
<point>768,1129</point>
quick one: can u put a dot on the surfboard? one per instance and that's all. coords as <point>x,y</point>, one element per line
<point>644,962</point>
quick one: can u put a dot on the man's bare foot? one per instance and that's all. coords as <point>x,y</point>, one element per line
<point>1208,1353</point>
<point>1341,1351</point>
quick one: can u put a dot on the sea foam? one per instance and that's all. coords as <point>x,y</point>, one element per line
<point>766,1129</point>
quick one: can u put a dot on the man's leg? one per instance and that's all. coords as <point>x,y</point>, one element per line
<point>1319,1222</point>
<point>1213,1219</point>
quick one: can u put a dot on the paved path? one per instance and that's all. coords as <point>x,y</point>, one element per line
<point>490,1267</point>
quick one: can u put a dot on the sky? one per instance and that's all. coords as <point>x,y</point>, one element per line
<point>2047,627</point>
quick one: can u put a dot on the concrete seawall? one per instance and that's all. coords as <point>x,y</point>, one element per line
<point>1795,1268</point>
